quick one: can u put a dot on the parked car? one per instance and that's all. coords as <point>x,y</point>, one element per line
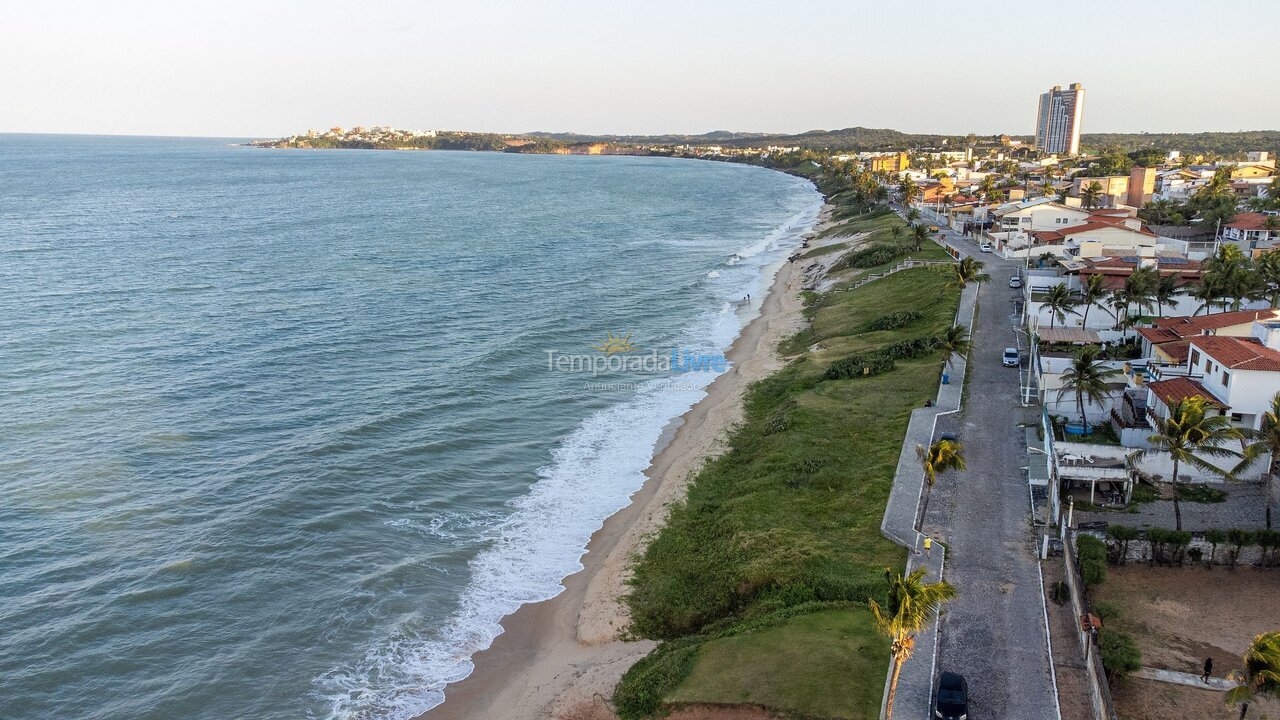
<point>1011,358</point>
<point>1015,282</point>
<point>985,247</point>
<point>951,700</point>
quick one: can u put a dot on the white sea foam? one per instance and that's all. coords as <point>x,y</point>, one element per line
<point>593,473</point>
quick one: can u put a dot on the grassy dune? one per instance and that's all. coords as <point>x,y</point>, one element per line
<point>787,524</point>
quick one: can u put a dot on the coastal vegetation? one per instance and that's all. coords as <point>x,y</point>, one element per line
<point>775,555</point>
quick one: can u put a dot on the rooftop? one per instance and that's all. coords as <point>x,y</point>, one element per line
<point>1239,353</point>
<point>1175,328</point>
<point>1175,390</point>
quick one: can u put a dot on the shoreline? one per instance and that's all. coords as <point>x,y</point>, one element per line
<point>561,654</point>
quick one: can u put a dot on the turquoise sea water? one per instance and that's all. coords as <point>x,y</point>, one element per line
<point>278,436</point>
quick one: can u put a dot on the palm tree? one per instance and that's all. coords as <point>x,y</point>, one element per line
<point>1093,290</point>
<point>1187,434</point>
<point>1087,378</point>
<point>1228,271</point>
<point>1266,440</point>
<point>919,236</point>
<point>911,605</point>
<point>955,341</point>
<point>909,190</point>
<point>895,231</point>
<point>1260,676</point>
<point>1166,290</point>
<point>941,456</point>
<point>1268,269</point>
<point>1058,302</point>
<point>1090,194</point>
<point>987,187</point>
<point>968,270</point>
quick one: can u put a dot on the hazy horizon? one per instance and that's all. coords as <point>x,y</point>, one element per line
<point>240,69</point>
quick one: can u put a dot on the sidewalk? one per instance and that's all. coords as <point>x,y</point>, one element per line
<point>915,684</point>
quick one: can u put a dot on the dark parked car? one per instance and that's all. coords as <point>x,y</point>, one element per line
<point>951,701</point>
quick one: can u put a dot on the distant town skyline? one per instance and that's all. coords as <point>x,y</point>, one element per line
<point>245,69</point>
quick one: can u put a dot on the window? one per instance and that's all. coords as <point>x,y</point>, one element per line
<point>1237,417</point>
<point>1195,358</point>
<point>1226,379</point>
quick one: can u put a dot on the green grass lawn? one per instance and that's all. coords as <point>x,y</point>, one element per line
<point>830,663</point>
<point>790,515</point>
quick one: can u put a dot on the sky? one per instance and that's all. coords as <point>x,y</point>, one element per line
<point>265,69</point>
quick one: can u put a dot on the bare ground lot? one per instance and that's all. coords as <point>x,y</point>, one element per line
<point>1151,700</point>
<point>1180,616</point>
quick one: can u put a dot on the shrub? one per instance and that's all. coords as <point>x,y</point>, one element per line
<point>857,366</point>
<point>1120,654</point>
<point>1122,535</point>
<point>1269,541</point>
<point>1196,554</point>
<point>1106,611</point>
<point>871,256</point>
<point>895,320</point>
<point>1214,538</point>
<point>912,348</point>
<point>1237,540</point>
<point>640,692</point>
<point>1201,494</point>
<point>1093,560</point>
<point>1060,593</point>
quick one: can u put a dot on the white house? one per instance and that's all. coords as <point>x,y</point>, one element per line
<point>1237,375</point>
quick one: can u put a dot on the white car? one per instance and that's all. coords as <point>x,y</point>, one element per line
<point>985,247</point>
<point>1010,358</point>
<point>1015,282</point>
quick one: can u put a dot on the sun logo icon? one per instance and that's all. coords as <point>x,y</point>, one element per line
<point>614,344</point>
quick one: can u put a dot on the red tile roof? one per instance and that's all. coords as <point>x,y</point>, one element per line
<point>1248,221</point>
<point>1173,328</point>
<point>1175,390</point>
<point>1094,223</point>
<point>1238,353</point>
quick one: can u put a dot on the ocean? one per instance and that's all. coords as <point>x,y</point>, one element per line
<point>284,434</point>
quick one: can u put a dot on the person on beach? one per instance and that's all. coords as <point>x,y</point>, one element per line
<point>1208,670</point>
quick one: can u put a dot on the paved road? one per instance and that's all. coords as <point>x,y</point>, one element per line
<point>994,631</point>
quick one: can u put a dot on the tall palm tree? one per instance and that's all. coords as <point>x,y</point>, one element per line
<point>1260,676</point>
<point>919,236</point>
<point>955,342</point>
<point>1092,290</point>
<point>968,270</point>
<point>1166,290</point>
<point>912,215</point>
<point>1058,301</point>
<point>912,604</point>
<point>909,190</point>
<point>1087,378</point>
<point>1090,194</point>
<point>940,457</point>
<point>1268,269</point>
<point>1230,272</point>
<point>1266,440</point>
<point>1187,434</point>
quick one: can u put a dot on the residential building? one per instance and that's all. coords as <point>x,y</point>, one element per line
<point>1250,233</point>
<point>1142,186</point>
<point>1058,120</point>
<point>890,162</point>
<point>1114,189</point>
<point>1237,375</point>
<point>1101,236</point>
<point>1168,342</point>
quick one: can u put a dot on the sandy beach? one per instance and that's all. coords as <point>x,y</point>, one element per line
<point>561,658</point>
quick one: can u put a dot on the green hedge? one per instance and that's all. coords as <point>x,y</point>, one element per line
<point>895,320</point>
<point>1092,555</point>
